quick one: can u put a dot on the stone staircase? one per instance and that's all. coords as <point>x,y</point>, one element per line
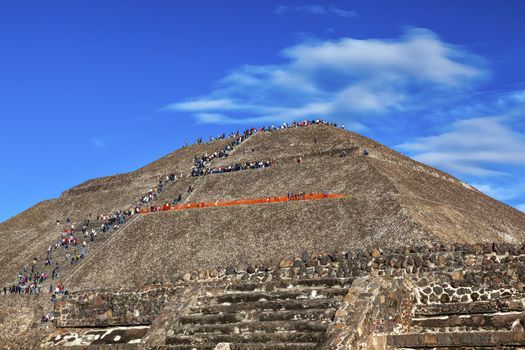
<point>102,240</point>
<point>449,298</point>
<point>59,254</point>
<point>273,315</point>
<point>484,324</point>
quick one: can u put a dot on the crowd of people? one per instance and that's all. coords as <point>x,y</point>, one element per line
<point>212,138</point>
<point>223,136</point>
<point>72,241</point>
<point>239,167</point>
<point>32,280</point>
<point>26,285</point>
<point>296,196</point>
<point>56,292</point>
<point>112,221</point>
<point>199,168</point>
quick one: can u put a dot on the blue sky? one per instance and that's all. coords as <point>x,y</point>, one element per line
<point>93,88</point>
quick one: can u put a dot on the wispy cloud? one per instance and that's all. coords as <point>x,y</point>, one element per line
<point>416,84</point>
<point>98,142</point>
<point>347,79</point>
<point>511,191</point>
<point>204,105</point>
<point>316,10</point>
<point>503,192</point>
<point>478,147</point>
<point>488,151</point>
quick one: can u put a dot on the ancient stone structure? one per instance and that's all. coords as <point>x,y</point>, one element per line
<point>416,259</point>
<point>99,308</point>
<point>419,297</point>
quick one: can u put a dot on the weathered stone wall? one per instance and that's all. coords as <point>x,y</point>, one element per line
<point>372,305</point>
<point>490,276</point>
<point>102,308</point>
<point>490,264</point>
<point>386,286</point>
<point>437,271</point>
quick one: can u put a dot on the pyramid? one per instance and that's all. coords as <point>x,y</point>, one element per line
<point>389,201</point>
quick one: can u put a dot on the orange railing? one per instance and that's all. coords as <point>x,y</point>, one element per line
<point>303,197</point>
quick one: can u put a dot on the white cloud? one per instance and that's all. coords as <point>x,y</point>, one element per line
<point>512,98</point>
<point>476,147</point>
<point>508,102</point>
<point>502,192</point>
<point>316,10</point>
<point>206,104</point>
<point>203,105</point>
<point>341,79</point>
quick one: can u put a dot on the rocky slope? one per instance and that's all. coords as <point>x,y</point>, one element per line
<point>392,201</point>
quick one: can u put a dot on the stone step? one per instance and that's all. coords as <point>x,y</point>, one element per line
<point>227,318</point>
<point>493,321</point>
<point>277,295</point>
<point>244,346</point>
<point>279,337</point>
<point>258,326</point>
<point>476,307</point>
<point>284,284</point>
<point>314,282</point>
<point>274,346</point>
<point>211,319</point>
<point>466,348</point>
<point>308,314</point>
<point>457,340</point>
<point>107,347</point>
<point>116,337</point>
<point>267,305</point>
<point>59,255</point>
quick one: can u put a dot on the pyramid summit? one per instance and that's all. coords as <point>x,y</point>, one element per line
<point>308,220</point>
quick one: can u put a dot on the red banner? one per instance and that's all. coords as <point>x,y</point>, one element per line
<point>303,197</point>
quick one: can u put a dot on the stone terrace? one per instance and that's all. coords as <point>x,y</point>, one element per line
<point>420,298</point>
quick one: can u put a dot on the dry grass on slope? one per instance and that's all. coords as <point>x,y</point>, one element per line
<point>20,321</point>
<point>164,243</point>
<point>178,161</point>
<point>289,142</point>
<point>452,211</point>
<point>393,199</point>
<point>349,175</point>
<point>28,234</point>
